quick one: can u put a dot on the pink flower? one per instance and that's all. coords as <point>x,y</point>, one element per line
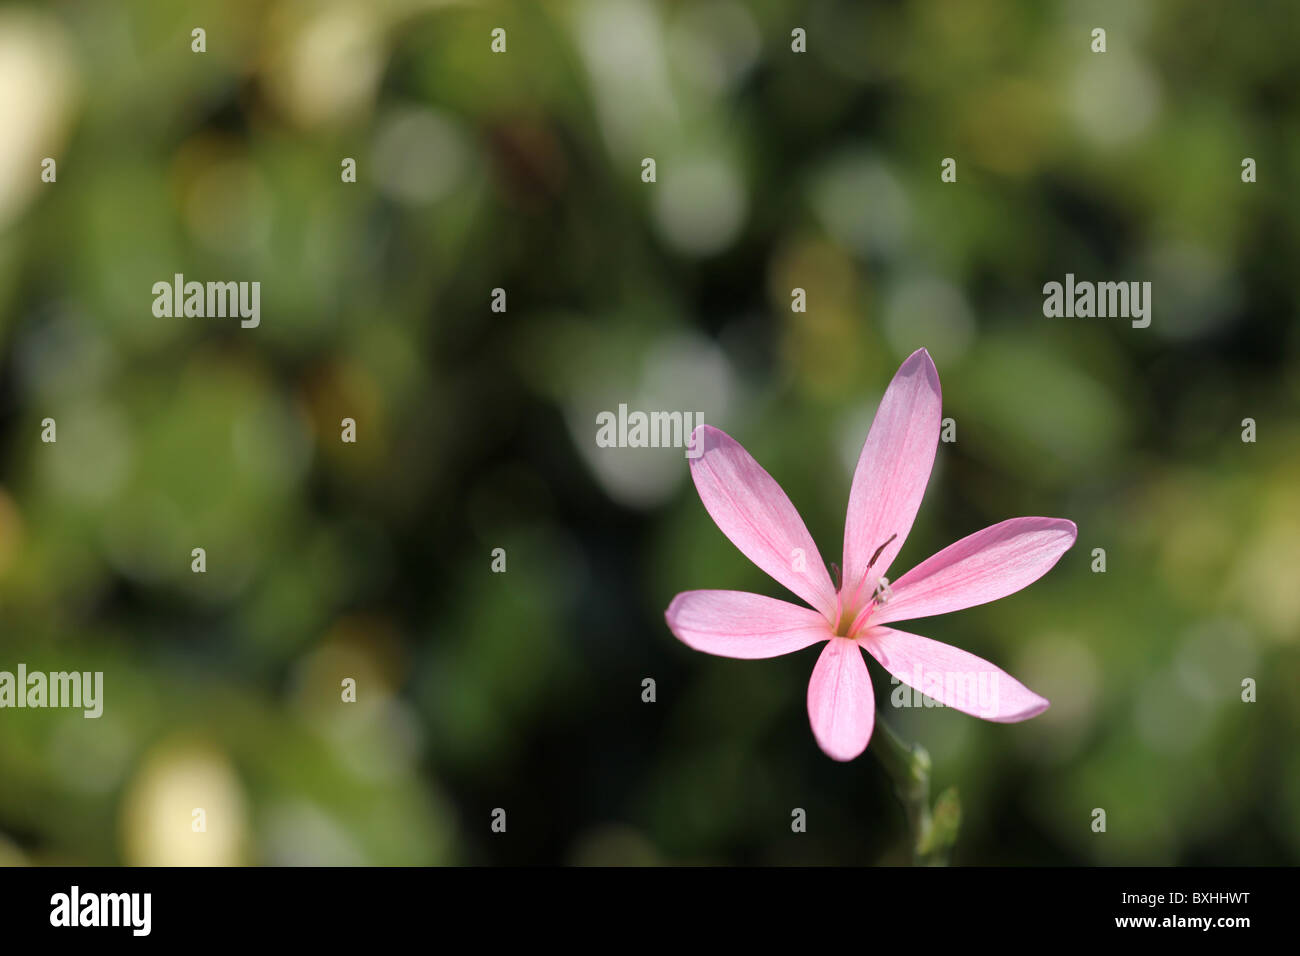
<point>753,511</point>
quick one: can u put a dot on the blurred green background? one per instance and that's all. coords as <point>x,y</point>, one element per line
<point>522,171</point>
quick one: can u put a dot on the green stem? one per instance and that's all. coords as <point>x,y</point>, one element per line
<point>933,829</point>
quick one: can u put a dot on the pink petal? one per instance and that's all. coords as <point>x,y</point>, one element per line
<point>953,677</point>
<point>892,471</point>
<point>743,625</point>
<point>840,703</point>
<point>753,511</point>
<point>981,567</point>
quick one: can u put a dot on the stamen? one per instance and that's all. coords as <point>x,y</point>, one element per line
<point>862,581</point>
<point>880,549</point>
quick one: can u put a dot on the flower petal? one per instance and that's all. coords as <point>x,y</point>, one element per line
<point>953,677</point>
<point>981,567</point>
<point>841,707</point>
<point>752,510</point>
<point>893,470</point>
<point>743,625</point>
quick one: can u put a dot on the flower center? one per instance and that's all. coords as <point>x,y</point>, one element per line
<point>853,620</point>
<point>856,607</point>
<point>848,625</point>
